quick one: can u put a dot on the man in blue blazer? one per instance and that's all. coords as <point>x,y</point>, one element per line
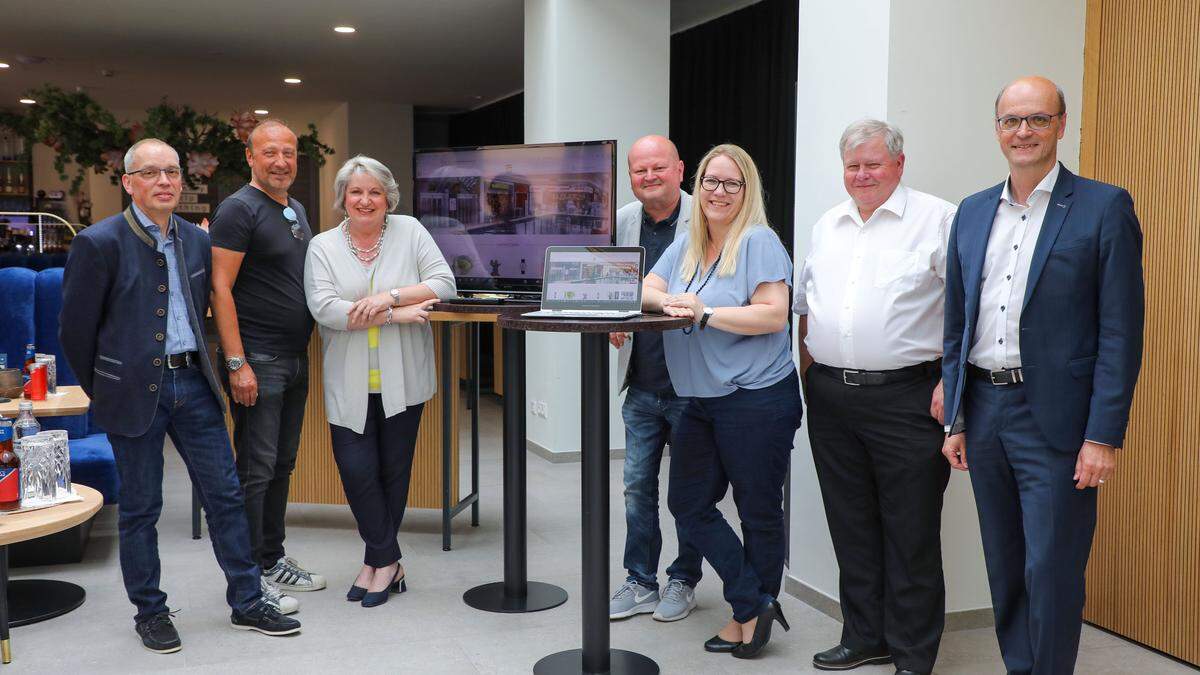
<point>135,294</point>
<point>1043,343</point>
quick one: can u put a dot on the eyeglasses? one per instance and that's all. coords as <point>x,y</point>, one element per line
<point>731,186</point>
<point>151,173</point>
<point>1037,121</point>
<point>289,214</point>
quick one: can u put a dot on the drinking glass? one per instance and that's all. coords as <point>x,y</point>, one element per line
<point>61,463</point>
<point>51,371</point>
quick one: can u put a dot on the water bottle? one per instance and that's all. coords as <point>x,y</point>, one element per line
<point>26,424</point>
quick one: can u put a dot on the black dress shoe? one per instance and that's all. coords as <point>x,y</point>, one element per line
<point>355,593</point>
<point>762,632</point>
<point>718,645</point>
<point>906,671</point>
<point>844,658</point>
<point>159,635</point>
<point>376,598</point>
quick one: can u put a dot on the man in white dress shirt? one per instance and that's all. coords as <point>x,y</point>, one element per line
<point>870,300</point>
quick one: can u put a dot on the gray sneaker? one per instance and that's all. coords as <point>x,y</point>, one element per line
<point>678,600</point>
<point>632,598</point>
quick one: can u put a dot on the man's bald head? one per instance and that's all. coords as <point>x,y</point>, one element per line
<point>1036,85</point>
<point>655,174</point>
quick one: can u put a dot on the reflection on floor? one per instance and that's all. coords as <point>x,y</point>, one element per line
<point>429,629</point>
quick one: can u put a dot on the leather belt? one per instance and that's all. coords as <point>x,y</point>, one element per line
<point>183,360</point>
<point>858,378</point>
<point>1000,378</point>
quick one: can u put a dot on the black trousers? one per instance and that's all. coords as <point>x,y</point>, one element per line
<point>376,469</point>
<point>879,463</point>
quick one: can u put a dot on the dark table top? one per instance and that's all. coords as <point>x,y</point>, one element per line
<point>479,308</point>
<point>645,322</point>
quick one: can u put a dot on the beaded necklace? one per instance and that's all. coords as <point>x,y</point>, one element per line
<point>365,255</point>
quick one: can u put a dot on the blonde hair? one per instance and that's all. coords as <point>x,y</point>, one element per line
<point>753,212</point>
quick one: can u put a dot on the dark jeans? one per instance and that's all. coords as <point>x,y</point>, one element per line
<point>649,418</point>
<point>267,436</point>
<point>882,474</point>
<point>376,468</point>
<point>743,440</point>
<point>190,413</point>
<point>1037,530</point>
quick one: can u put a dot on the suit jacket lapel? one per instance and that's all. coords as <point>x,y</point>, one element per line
<point>975,256</point>
<point>1056,214</point>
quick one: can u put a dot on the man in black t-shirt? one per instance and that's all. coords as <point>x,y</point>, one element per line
<point>260,237</point>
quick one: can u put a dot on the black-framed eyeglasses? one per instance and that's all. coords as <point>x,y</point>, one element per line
<point>731,186</point>
<point>1036,121</point>
<point>151,173</point>
<point>289,214</point>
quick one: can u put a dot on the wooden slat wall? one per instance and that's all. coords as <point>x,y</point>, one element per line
<point>1141,121</point>
<point>316,480</point>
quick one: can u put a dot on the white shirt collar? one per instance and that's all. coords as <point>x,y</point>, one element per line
<point>894,204</point>
<point>1046,185</point>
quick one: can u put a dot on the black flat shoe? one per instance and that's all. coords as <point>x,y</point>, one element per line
<point>379,597</point>
<point>844,658</point>
<point>718,645</point>
<point>356,593</point>
<point>762,632</point>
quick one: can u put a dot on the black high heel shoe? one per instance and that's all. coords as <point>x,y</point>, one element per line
<point>379,597</point>
<point>762,632</point>
<point>355,593</point>
<point>719,645</point>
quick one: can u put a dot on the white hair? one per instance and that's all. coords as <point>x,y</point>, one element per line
<point>373,168</point>
<point>134,148</point>
<point>864,130</point>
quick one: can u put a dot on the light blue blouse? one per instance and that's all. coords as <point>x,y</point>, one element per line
<point>712,362</point>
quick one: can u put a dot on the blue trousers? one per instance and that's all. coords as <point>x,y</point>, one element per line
<point>741,440</point>
<point>1036,527</point>
<point>649,419</point>
<point>188,411</point>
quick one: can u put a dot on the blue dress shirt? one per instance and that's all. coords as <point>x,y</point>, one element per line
<point>180,337</point>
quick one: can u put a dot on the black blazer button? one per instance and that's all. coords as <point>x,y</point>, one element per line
<point>161,262</point>
<point>162,288</point>
<point>160,312</point>
<point>154,387</point>
<point>159,337</point>
<point>157,362</point>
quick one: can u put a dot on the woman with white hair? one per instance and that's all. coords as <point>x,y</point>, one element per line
<point>730,274</point>
<point>370,282</point>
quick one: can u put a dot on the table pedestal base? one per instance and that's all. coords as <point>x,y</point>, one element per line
<point>492,598</point>
<point>620,662</point>
<point>34,600</point>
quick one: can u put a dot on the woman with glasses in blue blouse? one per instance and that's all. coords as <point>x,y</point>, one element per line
<point>731,275</point>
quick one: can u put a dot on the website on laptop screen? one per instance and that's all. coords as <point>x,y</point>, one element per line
<point>592,279</point>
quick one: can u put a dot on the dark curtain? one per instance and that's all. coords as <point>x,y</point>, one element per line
<point>733,80</point>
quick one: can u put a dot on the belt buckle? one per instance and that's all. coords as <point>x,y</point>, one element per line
<point>848,382</point>
<point>999,383</point>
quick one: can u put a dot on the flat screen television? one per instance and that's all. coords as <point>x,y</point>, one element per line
<point>493,210</point>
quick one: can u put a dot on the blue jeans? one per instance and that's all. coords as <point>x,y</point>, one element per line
<point>741,440</point>
<point>189,412</point>
<point>649,419</point>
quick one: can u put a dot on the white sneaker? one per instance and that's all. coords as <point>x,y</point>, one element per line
<point>282,602</point>
<point>288,575</point>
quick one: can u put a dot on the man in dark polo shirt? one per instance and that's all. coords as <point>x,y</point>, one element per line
<point>260,237</point>
<point>662,212</point>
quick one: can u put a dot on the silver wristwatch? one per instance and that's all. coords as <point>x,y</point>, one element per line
<point>234,362</point>
<point>395,293</point>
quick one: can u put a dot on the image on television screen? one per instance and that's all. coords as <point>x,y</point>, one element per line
<point>494,210</point>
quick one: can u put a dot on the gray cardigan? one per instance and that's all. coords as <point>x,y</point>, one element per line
<point>334,280</point>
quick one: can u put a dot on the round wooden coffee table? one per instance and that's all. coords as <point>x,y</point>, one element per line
<point>31,600</point>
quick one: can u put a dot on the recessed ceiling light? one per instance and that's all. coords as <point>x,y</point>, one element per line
<point>291,80</point>
<point>261,111</point>
<point>28,101</point>
<point>3,64</point>
<point>343,29</point>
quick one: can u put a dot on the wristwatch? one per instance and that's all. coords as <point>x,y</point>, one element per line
<point>395,293</point>
<point>705,316</point>
<point>234,362</point>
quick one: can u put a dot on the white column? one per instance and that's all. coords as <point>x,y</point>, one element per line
<point>593,70</point>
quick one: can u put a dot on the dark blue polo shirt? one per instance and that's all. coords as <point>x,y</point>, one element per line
<point>648,363</point>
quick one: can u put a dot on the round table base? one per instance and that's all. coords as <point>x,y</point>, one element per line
<point>34,600</point>
<point>621,662</point>
<point>491,598</point>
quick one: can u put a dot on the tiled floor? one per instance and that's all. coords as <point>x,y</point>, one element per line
<point>429,629</point>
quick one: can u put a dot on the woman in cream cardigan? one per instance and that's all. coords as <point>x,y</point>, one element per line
<point>370,282</point>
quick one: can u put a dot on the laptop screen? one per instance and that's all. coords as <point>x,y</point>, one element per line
<point>593,277</point>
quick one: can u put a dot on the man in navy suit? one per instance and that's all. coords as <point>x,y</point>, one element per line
<point>1043,343</point>
<point>135,294</point>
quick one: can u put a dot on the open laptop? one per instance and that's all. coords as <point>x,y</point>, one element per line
<point>592,282</point>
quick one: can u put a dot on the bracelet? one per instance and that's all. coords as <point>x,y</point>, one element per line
<point>388,320</point>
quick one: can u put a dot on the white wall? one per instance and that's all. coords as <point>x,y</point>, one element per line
<point>933,67</point>
<point>592,71</point>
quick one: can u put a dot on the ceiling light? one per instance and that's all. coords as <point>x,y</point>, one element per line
<point>291,80</point>
<point>28,101</point>
<point>3,64</point>
<point>261,111</point>
<point>343,29</point>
